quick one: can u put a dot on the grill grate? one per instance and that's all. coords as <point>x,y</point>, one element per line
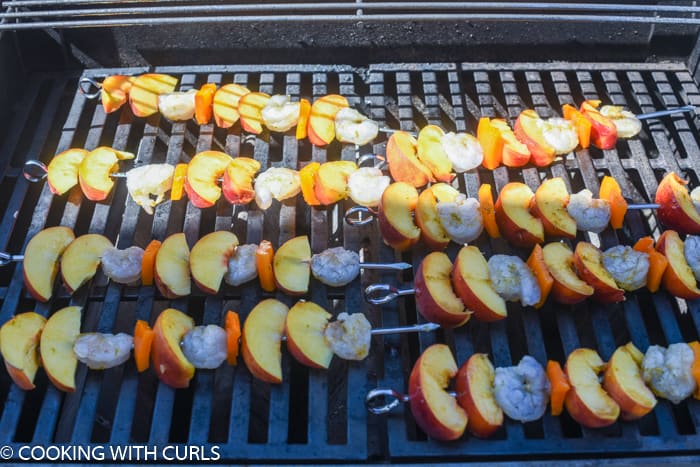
<point>38,14</point>
<point>320,415</point>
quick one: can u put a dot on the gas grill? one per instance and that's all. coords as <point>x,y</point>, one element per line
<point>319,416</point>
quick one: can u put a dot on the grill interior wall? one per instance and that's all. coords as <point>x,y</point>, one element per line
<point>320,415</point>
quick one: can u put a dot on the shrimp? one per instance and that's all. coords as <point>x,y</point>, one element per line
<point>560,134</point>
<point>627,266</point>
<point>241,265</point>
<point>205,346</point>
<point>461,219</point>
<point>522,391</point>
<point>626,123</point>
<point>349,336</point>
<point>280,114</point>
<point>463,150</point>
<point>276,182</point>
<point>668,371</point>
<point>353,127</point>
<point>101,351</point>
<point>335,266</point>
<point>177,106</point>
<point>591,215</point>
<point>123,266</point>
<point>513,280</point>
<point>366,186</point>
<point>147,181</point>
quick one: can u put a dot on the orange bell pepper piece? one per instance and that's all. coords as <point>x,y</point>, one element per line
<point>204,103</point>
<point>178,188</point>
<point>304,112</point>
<point>307,176</point>
<point>644,244</point>
<point>264,256</point>
<point>610,190</point>
<point>488,211</point>
<point>233,335</point>
<point>560,386</point>
<point>491,142</point>
<point>542,274</point>
<point>657,263</point>
<point>143,339</point>
<point>148,262</point>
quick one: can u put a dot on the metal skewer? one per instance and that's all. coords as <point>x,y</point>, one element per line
<point>425,327</point>
<point>646,116</point>
<point>386,266</point>
<point>35,171</point>
<point>379,294</point>
<point>6,258</point>
<point>89,82</point>
<point>360,215</point>
<point>663,113</point>
<point>378,266</point>
<point>396,398</point>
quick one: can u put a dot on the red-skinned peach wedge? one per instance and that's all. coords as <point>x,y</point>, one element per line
<point>395,217</point>
<point>404,165</point>
<point>474,387</point>
<point>549,205</point>
<point>568,288</point>
<point>513,216</point>
<point>678,278</point>
<point>435,411</point>
<point>471,281</point>
<point>587,402</point>
<point>167,360</point>
<point>530,133</point>
<point>588,260</point>
<point>435,298</point>
<point>623,381</point>
<point>676,209</point>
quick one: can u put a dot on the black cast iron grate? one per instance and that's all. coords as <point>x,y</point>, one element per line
<point>315,415</point>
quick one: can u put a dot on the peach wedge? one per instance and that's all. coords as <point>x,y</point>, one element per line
<point>19,345</point>
<point>225,106</point>
<point>587,402</point>
<point>395,217</point>
<point>435,299</point>
<point>168,361</point>
<point>41,260</point>
<point>435,411</point>
<point>209,259</point>
<point>62,172</point>
<point>305,326</point>
<point>144,92</point>
<point>202,180</point>
<point>292,266</point>
<point>172,267</point>
<point>262,340</point>
<point>56,347</point>
<point>81,259</point>
<point>95,171</point>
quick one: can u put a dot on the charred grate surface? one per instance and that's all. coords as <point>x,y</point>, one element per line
<point>317,415</point>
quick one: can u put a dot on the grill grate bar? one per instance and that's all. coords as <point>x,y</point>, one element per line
<point>401,11</point>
